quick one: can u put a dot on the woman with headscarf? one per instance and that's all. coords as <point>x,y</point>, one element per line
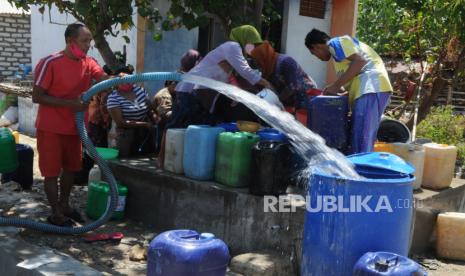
<point>196,104</point>
<point>292,84</point>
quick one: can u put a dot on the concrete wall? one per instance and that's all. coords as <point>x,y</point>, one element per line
<point>48,38</point>
<point>166,201</point>
<point>295,28</point>
<point>164,55</point>
<point>15,42</point>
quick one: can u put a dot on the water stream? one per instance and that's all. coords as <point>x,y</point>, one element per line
<point>308,145</point>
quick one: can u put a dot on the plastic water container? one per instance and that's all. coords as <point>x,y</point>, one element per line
<point>450,243</point>
<point>327,116</point>
<point>233,158</point>
<point>439,166</point>
<point>200,151</point>
<point>270,173</point>
<point>174,150</point>
<point>23,175</point>
<point>95,174</point>
<point>346,218</point>
<point>415,155</point>
<point>16,135</point>
<point>9,157</point>
<point>271,134</point>
<point>98,199</point>
<point>382,147</point>
<point>187,253</point>
<point>386,263</point>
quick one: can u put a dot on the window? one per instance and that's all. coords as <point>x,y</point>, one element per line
<point>313,8</point>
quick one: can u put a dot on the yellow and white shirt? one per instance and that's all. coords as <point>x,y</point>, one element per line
<point>372,79</point>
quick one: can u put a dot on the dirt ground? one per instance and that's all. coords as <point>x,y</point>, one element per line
<point>110,258</point>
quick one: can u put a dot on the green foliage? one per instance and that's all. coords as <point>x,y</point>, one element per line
<point>411,28</point>
<point>230,13</point>
<point>101,17</point>
<point>444,127</point>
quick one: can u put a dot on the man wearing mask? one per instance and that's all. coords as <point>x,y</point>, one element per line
<point>59,81</point>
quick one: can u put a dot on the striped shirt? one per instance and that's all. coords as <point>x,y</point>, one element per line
<point>372,79</point>
<point>135,110</point>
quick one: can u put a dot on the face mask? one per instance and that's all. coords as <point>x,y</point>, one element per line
<point>76,51</point>
<point>125,87</point>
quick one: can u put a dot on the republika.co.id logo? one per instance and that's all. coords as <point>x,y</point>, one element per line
<point>331,203</point>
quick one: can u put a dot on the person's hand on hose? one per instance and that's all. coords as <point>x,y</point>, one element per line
<point>78,105</point>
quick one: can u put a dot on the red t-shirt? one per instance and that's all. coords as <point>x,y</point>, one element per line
<point>65,78</point>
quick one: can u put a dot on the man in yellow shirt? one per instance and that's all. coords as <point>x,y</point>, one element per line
<point>361,72</point>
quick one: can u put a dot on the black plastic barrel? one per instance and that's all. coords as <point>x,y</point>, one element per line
<point>270,168</point>
<point>24,173</point>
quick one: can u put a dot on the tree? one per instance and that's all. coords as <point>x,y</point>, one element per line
<point>229,13</point>
<point>104,16</point>
<point>100,16</point>
<point>418,31</point>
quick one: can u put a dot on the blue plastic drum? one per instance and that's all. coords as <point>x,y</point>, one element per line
<point>346,218</point>
<point>187,253</point>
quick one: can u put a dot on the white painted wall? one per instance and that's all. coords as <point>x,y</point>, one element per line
<point>47,38</point>
<point>295,28</point>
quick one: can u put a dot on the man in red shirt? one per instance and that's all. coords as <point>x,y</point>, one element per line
<point>59,81</point>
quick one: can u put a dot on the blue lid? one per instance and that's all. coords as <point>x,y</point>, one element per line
<point>271,134</point>
<point>230,127</point>
<point>383,161</point>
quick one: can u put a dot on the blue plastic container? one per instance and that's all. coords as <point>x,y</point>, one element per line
<point>327,116</point>
<point>200,151</point>
<point>270,134</point>
<point>367,215</point>
<point>187,253</point>
<point>23,175</point>
<point>228,127</point>
<point>386,264</point>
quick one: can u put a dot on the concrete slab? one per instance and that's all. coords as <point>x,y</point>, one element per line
<point>451,199</point>
<point>20,258</point>
<point>167,201</point>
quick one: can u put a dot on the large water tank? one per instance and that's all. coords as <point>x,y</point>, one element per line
<point>327,116</point>
<point>200,151</point>
<point>346,218</point>
<point>187,253</point>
